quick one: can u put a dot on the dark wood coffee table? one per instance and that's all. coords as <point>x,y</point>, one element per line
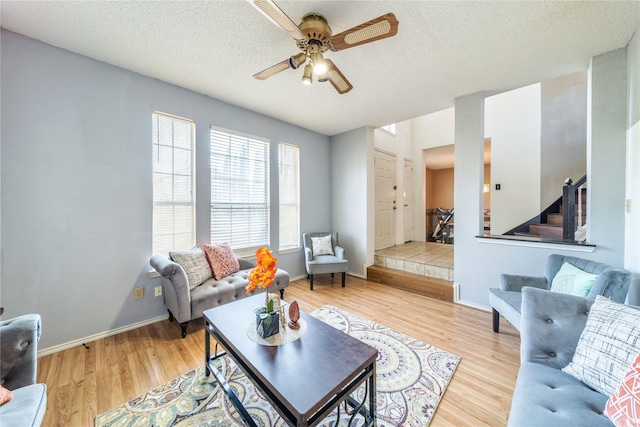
<point>305,379</point>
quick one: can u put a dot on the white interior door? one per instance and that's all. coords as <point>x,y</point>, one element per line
<point>407,183</point>
<point>385,190</point>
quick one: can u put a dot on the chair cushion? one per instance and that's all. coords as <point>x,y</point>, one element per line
<point>623,407</point>
<point>608,345</point>
<point>27,407</point>
<point>194,265</point>
<point>508,304</point>
<point>327,264</point>
<point>573,280</point>
<point>545,396</point>
<point>321,245</point>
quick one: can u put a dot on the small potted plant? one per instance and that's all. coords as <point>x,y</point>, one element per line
<point>263,276</point>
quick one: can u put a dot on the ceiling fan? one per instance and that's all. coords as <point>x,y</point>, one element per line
<point>314,37</point>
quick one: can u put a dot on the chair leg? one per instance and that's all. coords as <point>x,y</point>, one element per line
<point>311,281</point>
<point>332,275</point>
<point>171,318</point>
<point>183,325</point>
<point>344,275</point>
<point>496,321</point>
<point>281,293</point>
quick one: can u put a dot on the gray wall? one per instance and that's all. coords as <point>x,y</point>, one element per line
<point>77,190</point>
<point>350,152</point>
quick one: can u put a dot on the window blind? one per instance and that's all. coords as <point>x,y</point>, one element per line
<point>289,194</point>
<point>239,190</point>
<point>173,182</point>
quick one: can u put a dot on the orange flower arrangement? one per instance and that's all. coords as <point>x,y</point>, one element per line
<point>263,275</point>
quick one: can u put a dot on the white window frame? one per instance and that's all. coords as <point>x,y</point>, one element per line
<point>289,195</point>
<point>173,165</point>
<point>240,196</point>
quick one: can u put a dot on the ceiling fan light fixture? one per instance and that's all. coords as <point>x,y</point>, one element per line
<point>307,75</point>
<point>319,64</point>
<point>297,60</point>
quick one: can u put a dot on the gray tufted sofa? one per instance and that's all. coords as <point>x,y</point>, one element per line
<point>186,305</point>
<point>18,367</point>
<point>551,326</point>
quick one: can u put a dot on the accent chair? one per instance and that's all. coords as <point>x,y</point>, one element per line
<point>322,254</point>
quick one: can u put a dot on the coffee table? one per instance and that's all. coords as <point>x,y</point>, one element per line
<point>304,379</point>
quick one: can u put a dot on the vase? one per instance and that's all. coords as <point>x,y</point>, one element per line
<point>267,324</point>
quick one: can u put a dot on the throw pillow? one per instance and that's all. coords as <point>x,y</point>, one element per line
<point>572,280</point>
<point>623,407</point>
<point>194,264</point>
<point>222,260</point>
<point>321,245</point>
<point>607,347</point>
<point>5,395</point>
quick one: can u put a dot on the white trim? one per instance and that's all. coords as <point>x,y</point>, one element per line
<point>153,274</point>
<point>473,305</point>
<point>535,244</point>
<point>289,250</point>
<point>456,292</point>
<point>105,334</point>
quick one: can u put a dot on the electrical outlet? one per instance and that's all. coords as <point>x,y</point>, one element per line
<point>158,291</point>
<point>138,293</point>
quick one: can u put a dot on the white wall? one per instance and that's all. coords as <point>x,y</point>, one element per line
<point>563,142</point>
<point>513,122</point>
<point>632,213</point>
<point>398,145</point>
<point>429,131</point>
<point>77,189</point>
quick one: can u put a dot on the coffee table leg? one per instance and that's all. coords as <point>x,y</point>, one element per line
<point>372,397</point>
<point>207,348</point>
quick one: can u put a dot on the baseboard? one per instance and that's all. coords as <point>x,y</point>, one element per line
<point>105,334</point>
<point>473,305</point>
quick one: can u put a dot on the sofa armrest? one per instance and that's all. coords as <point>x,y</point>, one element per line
<point>339,252</point>
<point>19,351</point>
<point>550,326</point>
<point>612,283</point>
<point>177,295</point>
<point>512,282</point>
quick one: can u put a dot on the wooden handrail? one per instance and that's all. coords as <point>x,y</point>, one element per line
<point>569,191</point>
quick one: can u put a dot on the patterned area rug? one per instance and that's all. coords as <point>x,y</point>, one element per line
<point>411,377</point>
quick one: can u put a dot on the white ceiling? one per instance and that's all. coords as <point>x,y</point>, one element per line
<point>443,49</point>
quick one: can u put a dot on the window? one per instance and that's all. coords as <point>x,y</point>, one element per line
<point>288,168</point>
<point>390,128</point>
<point>173,182</point>
<point>239,190</point>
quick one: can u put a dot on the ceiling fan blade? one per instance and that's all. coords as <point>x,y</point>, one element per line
<point>271,10</point>
<point>274,69</point>
<point>337,79</point>
<point>379,28</point>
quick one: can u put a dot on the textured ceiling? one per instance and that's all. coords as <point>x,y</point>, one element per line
<point>442,50</point>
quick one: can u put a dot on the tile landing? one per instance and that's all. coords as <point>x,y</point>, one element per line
<point>422,258</point>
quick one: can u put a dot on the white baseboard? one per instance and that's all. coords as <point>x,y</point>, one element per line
<point>473,305</point>
<point>105,334</point>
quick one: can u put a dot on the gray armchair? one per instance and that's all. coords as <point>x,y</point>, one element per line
<point>18,366</point>
<point>324,263</point>
<point>612,283</point>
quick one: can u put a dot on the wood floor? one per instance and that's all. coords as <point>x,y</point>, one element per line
<point>85,382</point>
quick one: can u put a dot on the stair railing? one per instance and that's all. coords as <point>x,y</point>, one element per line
<point>569,224</point>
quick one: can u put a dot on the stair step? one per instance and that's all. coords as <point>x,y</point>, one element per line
<point>423,285</point>
<point>546,230</point>
<point>556,218</point>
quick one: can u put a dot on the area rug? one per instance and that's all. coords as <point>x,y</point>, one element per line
<point>411,377</point>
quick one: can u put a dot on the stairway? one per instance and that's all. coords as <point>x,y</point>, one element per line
<point>552,228</point>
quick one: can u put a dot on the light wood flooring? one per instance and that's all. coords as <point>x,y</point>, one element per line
<point>85,382</point>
